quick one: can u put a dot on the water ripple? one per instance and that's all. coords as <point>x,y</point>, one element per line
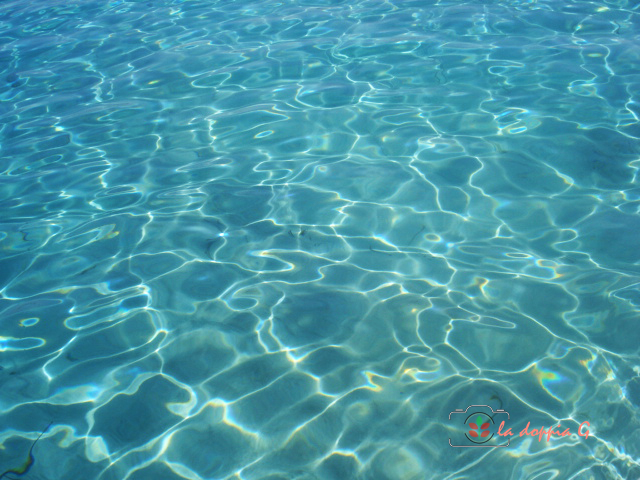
<point>285,239</point>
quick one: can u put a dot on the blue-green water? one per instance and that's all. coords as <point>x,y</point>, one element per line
<point>284,240</point>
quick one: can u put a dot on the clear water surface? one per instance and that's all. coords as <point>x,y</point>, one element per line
<point>275,240</point>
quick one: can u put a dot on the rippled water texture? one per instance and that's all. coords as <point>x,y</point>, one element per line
<point>256,240</point>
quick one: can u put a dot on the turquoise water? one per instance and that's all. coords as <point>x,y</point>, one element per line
<point>284,240</point>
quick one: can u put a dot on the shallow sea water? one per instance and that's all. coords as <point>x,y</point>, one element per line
<point>284,240</point>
